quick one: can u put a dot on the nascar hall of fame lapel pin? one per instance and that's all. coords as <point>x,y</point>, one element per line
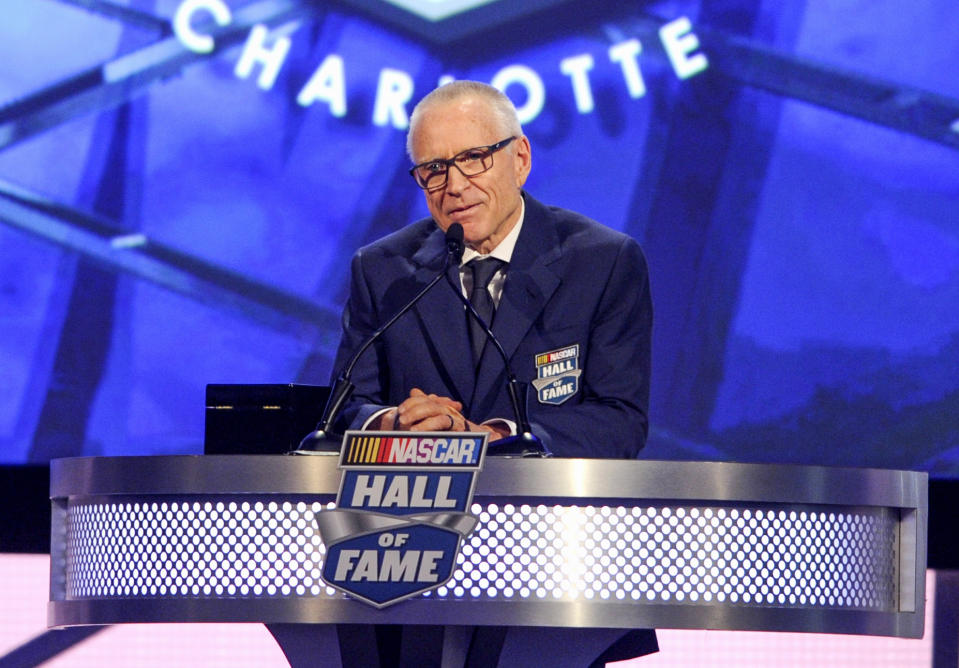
<point>401,512</point>
<point>557,375</point>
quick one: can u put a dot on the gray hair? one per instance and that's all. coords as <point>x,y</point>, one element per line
<point>502,106</point>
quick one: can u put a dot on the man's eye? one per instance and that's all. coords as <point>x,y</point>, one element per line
<point>434,167</point>
<point>472,156</point>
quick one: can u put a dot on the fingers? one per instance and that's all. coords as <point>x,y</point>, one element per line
<point>429,417</point>
<point>442,422</point>
<point>429,412</point>
<point>419,399</point>
<point>437,422</point>
<point>495,432</point>
<point>455,405</point>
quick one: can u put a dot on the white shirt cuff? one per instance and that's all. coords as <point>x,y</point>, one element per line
<point>509,424</point>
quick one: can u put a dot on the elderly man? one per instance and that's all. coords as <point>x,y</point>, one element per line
<point>568,298</point>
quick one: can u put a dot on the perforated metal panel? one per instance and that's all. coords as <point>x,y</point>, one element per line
<point>694,555</point>
<point>193,548</point>
<point>785,557</point>
<point>563,543</point>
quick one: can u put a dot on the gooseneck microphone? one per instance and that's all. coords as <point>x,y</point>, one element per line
<point>525,443</point>
<point>322,440</point>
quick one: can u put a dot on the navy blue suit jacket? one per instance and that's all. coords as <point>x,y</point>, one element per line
<point>571,282</point>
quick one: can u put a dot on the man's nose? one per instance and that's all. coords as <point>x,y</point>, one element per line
<point>456,181</point>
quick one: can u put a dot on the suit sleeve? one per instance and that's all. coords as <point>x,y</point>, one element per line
<point>359,322</point>
<point>611,416</point>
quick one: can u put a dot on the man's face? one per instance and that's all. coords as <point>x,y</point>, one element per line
<point>486,205</point>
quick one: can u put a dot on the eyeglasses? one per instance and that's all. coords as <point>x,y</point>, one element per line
<point>432,175</point>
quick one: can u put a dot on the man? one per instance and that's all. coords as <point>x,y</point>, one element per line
<point>571,298</point>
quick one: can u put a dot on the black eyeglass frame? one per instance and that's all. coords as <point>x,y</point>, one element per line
<point>451,162</point>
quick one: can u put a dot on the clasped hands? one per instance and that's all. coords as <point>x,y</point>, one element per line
<point>431,412</point>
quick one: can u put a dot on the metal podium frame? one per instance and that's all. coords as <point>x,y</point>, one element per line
<point>560,543</point>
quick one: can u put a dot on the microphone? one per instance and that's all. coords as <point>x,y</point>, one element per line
<point>525,443</point>
<point>322,440</point>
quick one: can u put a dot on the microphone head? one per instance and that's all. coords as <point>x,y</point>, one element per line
<point>454,241</point>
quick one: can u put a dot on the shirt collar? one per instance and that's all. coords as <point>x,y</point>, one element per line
<point>503,251</point>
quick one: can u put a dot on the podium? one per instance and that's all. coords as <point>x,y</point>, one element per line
<point>561,543</point>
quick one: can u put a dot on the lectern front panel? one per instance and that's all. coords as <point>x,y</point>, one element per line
<point>617,554</point>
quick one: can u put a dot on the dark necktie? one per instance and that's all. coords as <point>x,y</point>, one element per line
<point>481,300</point>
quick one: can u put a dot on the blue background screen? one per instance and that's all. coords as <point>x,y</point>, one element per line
<point>171,218</point>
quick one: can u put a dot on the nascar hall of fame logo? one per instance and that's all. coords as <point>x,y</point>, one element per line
<point>557,375</point>
<point>401,512</point>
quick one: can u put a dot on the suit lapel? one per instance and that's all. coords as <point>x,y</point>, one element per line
<point>444,321</point>
<point>530,282</point>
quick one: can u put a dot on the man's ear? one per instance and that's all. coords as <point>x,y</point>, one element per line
<point>522,160</point>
